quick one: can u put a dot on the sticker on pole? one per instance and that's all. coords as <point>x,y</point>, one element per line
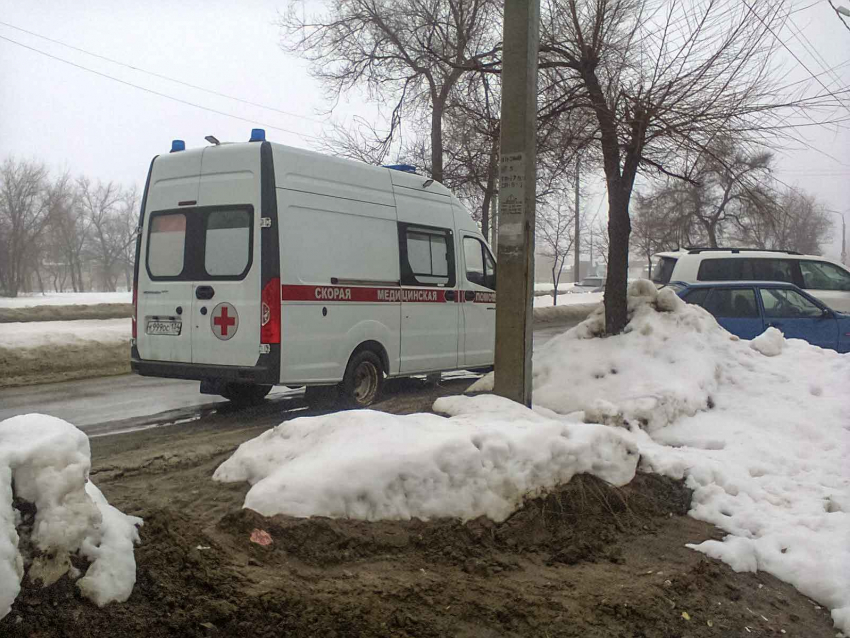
<point>224,321</point>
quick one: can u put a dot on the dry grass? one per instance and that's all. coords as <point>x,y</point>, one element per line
<point>66,313</point>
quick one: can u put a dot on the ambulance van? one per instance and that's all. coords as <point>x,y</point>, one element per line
<point>258,264</point>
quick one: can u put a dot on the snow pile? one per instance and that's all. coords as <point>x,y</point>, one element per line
<point>769,342</point>
<point>764,441</point>
<point>65,299</point>
<point>483,460</point>
<point>48,461</point>
<point>35,334</point>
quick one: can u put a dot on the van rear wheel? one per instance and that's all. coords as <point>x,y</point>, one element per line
<point>245,393</point>
<point>363,380</point>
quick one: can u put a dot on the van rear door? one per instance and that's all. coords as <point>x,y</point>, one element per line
<point>199,286</point>
<point>226,294</point>
<point>164,294</point>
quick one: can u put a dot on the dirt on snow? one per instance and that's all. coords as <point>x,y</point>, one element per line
<point>587,560</point>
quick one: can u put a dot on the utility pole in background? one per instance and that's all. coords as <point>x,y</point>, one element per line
<point>843,235</point>
<point>577,241</point>
<point>517,190</point>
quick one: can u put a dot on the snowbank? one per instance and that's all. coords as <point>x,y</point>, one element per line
<point>764,441</point>
<point>570,299</point>
<point>48,461</point>
<point>65,298</point>
<point>483,460</point>
<point>48,333</point>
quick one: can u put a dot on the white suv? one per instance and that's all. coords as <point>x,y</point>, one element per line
<point>827,280</point>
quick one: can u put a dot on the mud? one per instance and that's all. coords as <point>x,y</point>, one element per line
<point>587,560</point>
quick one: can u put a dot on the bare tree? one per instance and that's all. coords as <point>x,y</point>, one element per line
<point>411,53</point>
<point>663,80</point>
<point>24,213</point>
<point>797,222</point>
<point>68,232</point>
<point>655,229</point>
<point>556,236</point>
<point>728,189</point>
<point>100,204</point>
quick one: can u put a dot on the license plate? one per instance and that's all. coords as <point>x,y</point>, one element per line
<point>160,327</point>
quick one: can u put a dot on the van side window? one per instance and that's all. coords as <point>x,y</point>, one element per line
<point>742,269</point>
<point>663,270</point>
<point>819,275</point>
<point>166,244</point>
<point>427,256</point>
<point>228,242</point>
<point>480,267</point>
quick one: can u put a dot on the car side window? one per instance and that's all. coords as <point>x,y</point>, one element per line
<point>697,297</point>
<point>732,303</point>
<point>719,270</point>
<point>787,304</point>
<point>768,270</point>
<point>820,275</point>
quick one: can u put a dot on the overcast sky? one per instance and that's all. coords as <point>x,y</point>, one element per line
<point>71,118</point>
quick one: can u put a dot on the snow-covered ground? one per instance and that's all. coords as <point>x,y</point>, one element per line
<point>65,299</point>
<point>764,442</point>
<point>569,299</point>
<point>43,333</point>
<point>47,460</point>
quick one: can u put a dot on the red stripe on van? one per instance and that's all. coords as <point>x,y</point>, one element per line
<point>364,294</point>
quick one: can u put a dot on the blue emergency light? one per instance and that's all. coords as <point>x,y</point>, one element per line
<point>178,145</point>
<point>258,135</point>
<point>404,168</point>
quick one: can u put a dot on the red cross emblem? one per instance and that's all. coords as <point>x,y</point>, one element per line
<point>224,321</point>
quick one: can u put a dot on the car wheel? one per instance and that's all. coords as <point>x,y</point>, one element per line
<point>363,380</point>
<point>245,393</point>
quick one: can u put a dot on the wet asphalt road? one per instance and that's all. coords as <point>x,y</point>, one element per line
<point>112,405</point>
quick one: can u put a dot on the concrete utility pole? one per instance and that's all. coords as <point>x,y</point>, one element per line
<point>577,241</point>
<point>517,189</point>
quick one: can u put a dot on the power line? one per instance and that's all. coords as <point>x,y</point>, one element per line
<point>166,96</point>
<point>160,76</point>
<point>794,55</point>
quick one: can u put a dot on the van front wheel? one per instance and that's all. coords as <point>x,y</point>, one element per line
<point>245,393</point>
<point>363,379</point>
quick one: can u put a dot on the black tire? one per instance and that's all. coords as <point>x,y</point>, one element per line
<point>363,380</point>
<point>245,393</point>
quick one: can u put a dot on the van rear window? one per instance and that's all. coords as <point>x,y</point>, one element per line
<point>228,239</point>
<point>663,270</point>
<point>200,244</point>
<point>166,244</point>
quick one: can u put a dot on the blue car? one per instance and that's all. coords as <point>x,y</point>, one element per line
<point>748,308</point>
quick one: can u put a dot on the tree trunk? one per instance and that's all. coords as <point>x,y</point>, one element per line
<point>485,211</point>
<point>619,228</point>
<point>437,142</point>
<point>711,228</point>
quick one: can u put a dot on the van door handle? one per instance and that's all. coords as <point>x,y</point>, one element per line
<point>450,295</point>
<point>469,295</point>
<point>204,292</point>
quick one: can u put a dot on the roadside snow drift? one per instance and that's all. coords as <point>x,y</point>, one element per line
<point>760,430</point>
<point>484,460</point>
<point>48,462</point>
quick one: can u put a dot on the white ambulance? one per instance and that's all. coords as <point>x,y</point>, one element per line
<point>258,264</point>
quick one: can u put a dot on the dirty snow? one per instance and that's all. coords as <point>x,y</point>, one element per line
<point>764,441</point>
<point>48,461</point>
<point>34,334</point>
<point>65,299</point>
<point>483,460</point>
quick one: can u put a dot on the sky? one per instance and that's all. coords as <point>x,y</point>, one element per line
<point>75,120</point>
